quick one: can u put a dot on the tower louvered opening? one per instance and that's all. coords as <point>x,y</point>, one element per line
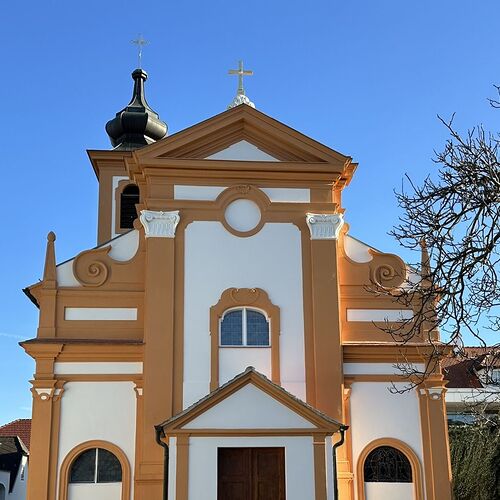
<point>128,199</point>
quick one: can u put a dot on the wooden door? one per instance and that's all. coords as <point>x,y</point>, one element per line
<point>251,474</point>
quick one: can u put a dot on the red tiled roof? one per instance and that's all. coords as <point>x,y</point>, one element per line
<point>20,427</point>
<point>461,371</point>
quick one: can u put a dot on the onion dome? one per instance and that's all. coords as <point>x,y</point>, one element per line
<point>136,125</point>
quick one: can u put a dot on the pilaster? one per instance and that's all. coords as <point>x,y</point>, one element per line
<point>324,229</point>
<point>437,463</point>
<point>158,377</point>
<point>47,393</point>
<point>344,453</point>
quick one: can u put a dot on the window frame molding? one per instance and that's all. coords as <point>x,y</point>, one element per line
<point>244,326</point>
<point>252,298</point>
<point>416,466</point>
<point>77,450</point>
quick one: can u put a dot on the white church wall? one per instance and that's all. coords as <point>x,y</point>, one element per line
<point>288,195</point>
<point>232,358</point>
<point>210,193</point>
<point>369,315</point>
<point>216,260</point>
<point>376,414</point>
<point>376,368</point>
<point>242,151</point>
<point>98,411</point>
<point>125,246</point>
<point>299,464</point>
<point>104,491</point>
<point>65,276</point>
<point>249,408</point>
<point>201,193</point>
<point>172,466</point>
<point>357,250</point>
<point>389,491</point>
<point>100,313</point>
<point>103,368</point>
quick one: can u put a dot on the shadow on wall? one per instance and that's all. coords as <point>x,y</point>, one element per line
<point>2,492</point>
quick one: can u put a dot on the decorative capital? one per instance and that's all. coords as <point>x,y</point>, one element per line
<point>324,226</point>
<point>433,393</point>
<point>159,224</point>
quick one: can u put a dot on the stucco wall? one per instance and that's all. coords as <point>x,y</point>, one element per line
<point>106,491</point>
<point>389,491</point>
<point>98,411</point>
<point>215,260</point>
<point>376,414</point>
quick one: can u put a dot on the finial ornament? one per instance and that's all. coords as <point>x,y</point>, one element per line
<point>240,98</point>
<point>140,42</point>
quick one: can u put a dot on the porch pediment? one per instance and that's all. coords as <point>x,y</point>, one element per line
<point>250,402</point>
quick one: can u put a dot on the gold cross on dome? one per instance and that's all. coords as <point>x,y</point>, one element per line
<point>140,42</point>
<point>241,73</point>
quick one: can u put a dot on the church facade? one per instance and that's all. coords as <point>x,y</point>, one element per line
<point>220,341</point>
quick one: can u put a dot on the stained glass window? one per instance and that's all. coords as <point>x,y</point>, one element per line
<point>96,466</point>
<point>386,464</point>
<point>244,327</point>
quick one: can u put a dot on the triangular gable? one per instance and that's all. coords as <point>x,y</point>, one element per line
<point>242,123</point>
<point>249,408</point>
<point>250,387</point>
<point>242,151</point>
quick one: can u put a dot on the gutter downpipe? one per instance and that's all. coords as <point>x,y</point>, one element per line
<point>160,434</point>
<point>342,430</point>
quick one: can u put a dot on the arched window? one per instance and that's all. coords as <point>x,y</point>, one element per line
<point>244,327</point>
<point>96,465</point>
<point>2,492</point>
<point>129,197</point>
<point>386,464</point>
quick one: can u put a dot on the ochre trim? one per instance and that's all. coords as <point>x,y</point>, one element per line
<point>436,447</point>
<point>319,466</point>
<point>244,297</point>
<point>71,456</point>
<point>244,192</point>
<point>182,467</point>
<point>250,432</point>
<point>416,467</point>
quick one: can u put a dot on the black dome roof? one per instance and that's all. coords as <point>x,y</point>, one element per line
<point>136,125</point>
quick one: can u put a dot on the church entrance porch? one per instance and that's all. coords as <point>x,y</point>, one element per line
<point>250,440</point>
<point>251,474</point>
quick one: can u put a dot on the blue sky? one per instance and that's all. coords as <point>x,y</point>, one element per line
<point>366,78</point>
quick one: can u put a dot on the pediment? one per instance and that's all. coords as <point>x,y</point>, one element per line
<point>242,133</point>
<point>250,401</point>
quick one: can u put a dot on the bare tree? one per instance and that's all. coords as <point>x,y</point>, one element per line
<point>454,218</point>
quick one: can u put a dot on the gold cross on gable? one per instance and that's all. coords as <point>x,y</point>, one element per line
<point>140,42</point>
<point>241,73</point>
